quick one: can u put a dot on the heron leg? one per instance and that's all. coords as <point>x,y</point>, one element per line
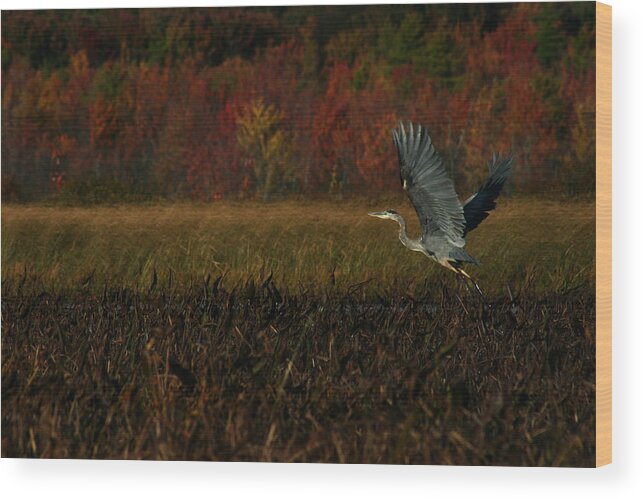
<point>464,281</point>
<point>463,274</point>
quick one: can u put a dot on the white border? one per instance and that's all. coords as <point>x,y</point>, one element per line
<point>110,479</point>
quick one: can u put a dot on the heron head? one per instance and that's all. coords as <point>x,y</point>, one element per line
<point>384,214</point>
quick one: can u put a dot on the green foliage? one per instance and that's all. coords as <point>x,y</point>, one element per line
<point>581,55</point>
<point>10,189</point>
<point>361,76</point>
<point>109,81</point>
<point>550,35</point>
<point>444,58</point>
<point>560,24</point>
<point>578,165</point>
<point>403,44</point>
<point>6,56</point>
<point>89,190</point>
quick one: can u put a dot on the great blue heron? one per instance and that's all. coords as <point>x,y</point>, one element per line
<point>444,221</point>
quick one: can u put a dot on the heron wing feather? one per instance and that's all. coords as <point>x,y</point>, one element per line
<point>428,186</point>
<point>478,206</point>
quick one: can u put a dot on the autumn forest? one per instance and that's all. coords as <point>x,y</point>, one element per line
<point>264,103</point>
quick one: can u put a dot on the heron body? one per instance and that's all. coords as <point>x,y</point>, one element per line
<point>444,221</point>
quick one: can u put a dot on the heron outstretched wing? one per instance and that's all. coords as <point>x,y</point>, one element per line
<point>478,206</point>
<point>428,186</point>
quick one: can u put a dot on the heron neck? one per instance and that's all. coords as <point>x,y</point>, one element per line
<point>409,243</point>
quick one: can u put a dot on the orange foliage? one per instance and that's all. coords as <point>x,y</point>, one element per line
<point>160,109</point>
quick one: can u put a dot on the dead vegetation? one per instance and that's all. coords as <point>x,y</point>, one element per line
<point>257,373</point>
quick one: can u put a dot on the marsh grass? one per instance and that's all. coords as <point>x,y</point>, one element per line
<point>548,246</point>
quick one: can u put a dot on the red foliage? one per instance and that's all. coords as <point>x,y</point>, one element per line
<point>169,120</point>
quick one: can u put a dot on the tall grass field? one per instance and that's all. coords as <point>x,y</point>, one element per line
<point>544,244</point>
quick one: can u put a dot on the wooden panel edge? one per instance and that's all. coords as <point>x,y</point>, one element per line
<point>603,234</point>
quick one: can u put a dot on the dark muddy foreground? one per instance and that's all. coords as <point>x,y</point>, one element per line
<point>256,375</point>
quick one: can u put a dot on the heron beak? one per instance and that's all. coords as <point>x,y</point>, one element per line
<point>378,214</point>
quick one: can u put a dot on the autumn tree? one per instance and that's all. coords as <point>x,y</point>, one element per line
<point>266,147</point>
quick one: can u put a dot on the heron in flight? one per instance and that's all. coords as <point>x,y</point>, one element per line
<point>443,220</point>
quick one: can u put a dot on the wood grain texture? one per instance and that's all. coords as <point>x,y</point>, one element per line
<point>603,234</point>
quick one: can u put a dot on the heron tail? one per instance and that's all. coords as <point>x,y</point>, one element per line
<point>459,255</point>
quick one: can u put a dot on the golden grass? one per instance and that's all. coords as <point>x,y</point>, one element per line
<point>547,245</point>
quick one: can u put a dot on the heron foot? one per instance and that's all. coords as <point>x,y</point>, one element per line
<point>468,279</point>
